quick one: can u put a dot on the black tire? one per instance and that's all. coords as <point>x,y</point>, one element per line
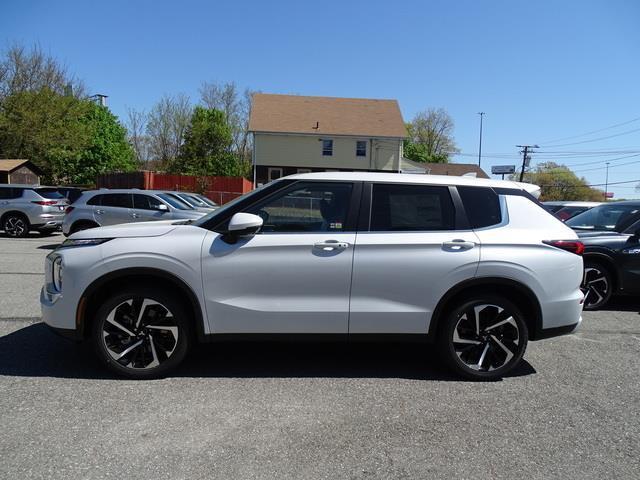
<point>597,285</point>
<point>79,226</point>
<point>163,315</point>
<point>489,348</point>
<point>16,225</point>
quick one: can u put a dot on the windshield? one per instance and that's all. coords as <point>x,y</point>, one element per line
<point>604,217</point>
<point>50,193</point>
<point>175,202</point>
<point>206,200</point>
<point>192,200</point>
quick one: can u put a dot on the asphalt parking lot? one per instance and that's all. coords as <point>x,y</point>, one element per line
<point>312,411</point>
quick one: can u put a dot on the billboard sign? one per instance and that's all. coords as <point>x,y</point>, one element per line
<point>503,169</point>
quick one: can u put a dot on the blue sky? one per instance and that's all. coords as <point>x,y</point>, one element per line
<point>541,70</point>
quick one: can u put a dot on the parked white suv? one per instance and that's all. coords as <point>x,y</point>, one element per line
<point>476,266</point>
<point>30,207</point>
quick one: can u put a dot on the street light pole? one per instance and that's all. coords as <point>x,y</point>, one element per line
<point>606,183</point>
<point>480,147</point>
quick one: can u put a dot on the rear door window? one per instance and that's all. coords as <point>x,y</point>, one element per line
<point>120,200</point>
<point>482,206</point>
<point>400,207</point>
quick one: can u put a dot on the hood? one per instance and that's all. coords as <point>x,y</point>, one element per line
<point>128,230</point>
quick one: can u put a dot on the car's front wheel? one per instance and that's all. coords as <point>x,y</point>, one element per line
<point>484,338</point>
<point>142,333</point>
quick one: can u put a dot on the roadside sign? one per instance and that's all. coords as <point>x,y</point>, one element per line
<point>503,169</point>
<point>608,195</point>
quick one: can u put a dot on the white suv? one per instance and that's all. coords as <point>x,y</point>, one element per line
<point>476,266</point>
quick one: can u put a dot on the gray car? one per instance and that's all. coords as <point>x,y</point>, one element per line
<point>195,200</point>
<point>30,207</point>
<point>98,208</point>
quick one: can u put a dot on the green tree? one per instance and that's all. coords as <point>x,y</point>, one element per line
<point>430,137</point>
<point>558,182</point>
<point>207,146</point>
<point>70,139</point>
<point>108,149</point>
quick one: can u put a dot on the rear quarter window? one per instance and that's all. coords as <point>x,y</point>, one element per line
<point>482,206</point>
<point>49,193</point>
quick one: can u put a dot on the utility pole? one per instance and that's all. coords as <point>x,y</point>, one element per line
<point>480,147</point>
<point>525,153</point>
<point>606,183</point>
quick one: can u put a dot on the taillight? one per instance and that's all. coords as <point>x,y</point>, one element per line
<point>573,246</point>
<point>69,209</point>
<point>45,202</point>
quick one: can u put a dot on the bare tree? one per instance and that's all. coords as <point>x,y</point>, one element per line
<point>166,125</point>
<point>23,69</point>
<point>236,107</point>
<point>430,136</point>
<point>139,140</point>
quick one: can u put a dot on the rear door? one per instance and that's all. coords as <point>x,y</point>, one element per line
<point>409,255</point>
<point>115,208</point>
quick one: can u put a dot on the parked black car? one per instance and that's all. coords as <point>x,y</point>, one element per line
<point>611,236</point>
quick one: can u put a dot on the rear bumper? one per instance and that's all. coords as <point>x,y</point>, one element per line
<point>558,331</point>
<point>49,225</point>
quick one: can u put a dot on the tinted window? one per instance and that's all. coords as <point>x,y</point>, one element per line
<point>50,193</point>
<point>121,200</point>
<point>8,193</point>
<point>604,217</point>
<point>145,202</point>
<point>208,201</point>
<point>411,208</point>
<point>566,213</point>
<point>308,207</point>
<point>482,206</point>
<point>95,200</point>
<point>192,200</point>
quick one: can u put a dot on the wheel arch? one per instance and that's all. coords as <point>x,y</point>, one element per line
<point>14,212</point>
<point>515,291</point>
<point>101,287</point>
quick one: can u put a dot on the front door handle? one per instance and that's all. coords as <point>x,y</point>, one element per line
<point>457,245</point>
<point>99,212</point>
<point>135,215</point>
<point>330,245</point>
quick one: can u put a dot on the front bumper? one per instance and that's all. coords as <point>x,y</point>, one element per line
<point>57,312</point>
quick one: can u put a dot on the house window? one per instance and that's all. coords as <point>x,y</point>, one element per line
<point>274,173</point>
<point>361,148</point>
<point>327,148</point>
<point>304,170</point>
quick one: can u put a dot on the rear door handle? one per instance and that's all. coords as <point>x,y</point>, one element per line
<point>135,215</point>
<point>330,245</point>
<point>458,245</point>
<point>99,212</point>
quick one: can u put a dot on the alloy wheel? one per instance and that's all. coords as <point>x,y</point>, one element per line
<point>486,337</point>
<point>140,333</point>
<point>15,226</point>
<point>595,286</point>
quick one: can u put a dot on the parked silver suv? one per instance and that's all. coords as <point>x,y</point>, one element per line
<point>30,207</point>
<point>98,208</point>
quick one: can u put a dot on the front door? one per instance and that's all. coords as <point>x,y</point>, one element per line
<point>114,208</point>
<point>409,257</point>
<point>146,208</point>
<point>294,275</point>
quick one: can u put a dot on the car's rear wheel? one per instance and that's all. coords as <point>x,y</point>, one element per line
<point>597,284</point>
<point>484,338</point>
<point>16,225</point>
<point>142,333</point>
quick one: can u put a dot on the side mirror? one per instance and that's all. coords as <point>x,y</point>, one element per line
<point>162,208</point>
<point>242,225</point>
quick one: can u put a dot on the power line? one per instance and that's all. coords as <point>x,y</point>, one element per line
<point>592,131</point>
<point>613,166</point>
<point>596,139</point>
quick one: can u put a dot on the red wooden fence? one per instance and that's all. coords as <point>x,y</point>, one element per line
<point>219,189</point>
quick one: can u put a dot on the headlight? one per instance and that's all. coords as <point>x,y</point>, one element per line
<point>56,274</point>
<point>83,242</point>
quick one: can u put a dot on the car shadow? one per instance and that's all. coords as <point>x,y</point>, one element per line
<point>35,351</point>
<point>51,246</point>
<point>622,304</point>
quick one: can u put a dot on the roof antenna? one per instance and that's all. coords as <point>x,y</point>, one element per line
<point>317,126</point>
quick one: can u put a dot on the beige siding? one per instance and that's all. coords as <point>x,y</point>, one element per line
<point>306,151</point>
